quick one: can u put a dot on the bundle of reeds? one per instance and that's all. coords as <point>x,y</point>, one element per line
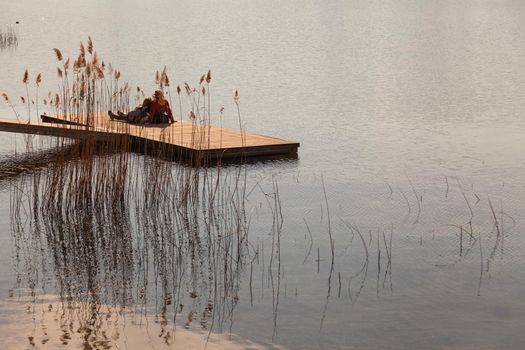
<point>8,37</point>
<point>121,229</point>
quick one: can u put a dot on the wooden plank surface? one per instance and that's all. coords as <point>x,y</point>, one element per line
<point>182,134</point>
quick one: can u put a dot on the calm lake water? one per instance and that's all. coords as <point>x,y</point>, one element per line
<point>410,116</point>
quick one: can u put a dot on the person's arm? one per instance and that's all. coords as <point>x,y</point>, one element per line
<point>168,111</point>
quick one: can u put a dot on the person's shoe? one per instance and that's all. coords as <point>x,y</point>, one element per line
<point>122,115</point>
<point>112,115</point>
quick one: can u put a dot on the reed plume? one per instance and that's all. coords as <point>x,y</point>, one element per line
<point>165,78</point>
<point>25,80</point>
<point>82,50</point>
<point>99,72</point>
<point>90,45</point>
<point>58,54</point>
<point>95,59</point>
<point>37,82</point>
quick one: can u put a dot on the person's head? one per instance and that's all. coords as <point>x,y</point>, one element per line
<point>147,102</point>
<point>158,95</point>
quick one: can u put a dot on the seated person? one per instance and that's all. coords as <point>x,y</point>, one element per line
<point>160,112</point>
<point>137,116</point>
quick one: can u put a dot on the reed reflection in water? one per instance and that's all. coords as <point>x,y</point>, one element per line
<point>8,37</point>
<point>107,244</point>
<point>116,234</point>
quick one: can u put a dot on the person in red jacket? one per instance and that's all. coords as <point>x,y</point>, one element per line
<point>159,110</point>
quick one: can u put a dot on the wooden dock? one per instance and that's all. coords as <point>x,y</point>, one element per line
<point>183,139</point>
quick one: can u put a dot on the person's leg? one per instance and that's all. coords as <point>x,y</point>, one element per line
<point>134,115</point>
<point>156,118</point>
<point>114,116</point>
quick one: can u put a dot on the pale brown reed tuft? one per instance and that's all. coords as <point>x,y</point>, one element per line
<point>164,78</point>
<point>58,54</point>
<point>25,78</point>
<point>90,45</point>
<point>99,72</point>
<point>82,50</point>
<point>95,60</point>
